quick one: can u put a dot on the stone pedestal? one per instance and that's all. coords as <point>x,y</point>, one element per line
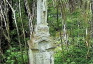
<point>41,47</point>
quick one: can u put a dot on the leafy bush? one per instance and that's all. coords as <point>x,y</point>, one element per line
<point>14,56</point>
<point>74,54</point>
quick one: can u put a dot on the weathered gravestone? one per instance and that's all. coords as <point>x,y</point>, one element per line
<point>41,45</point>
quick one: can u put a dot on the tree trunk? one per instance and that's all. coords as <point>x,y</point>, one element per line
<point>92,19</point>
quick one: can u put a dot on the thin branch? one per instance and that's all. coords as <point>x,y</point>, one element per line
<point>22,24</point>
<point>15,23</point>
<point>30,17</point>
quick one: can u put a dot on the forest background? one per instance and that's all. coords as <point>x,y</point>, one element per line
<point>70,23</point>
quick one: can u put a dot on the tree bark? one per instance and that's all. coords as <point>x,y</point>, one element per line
<point>92,19</point>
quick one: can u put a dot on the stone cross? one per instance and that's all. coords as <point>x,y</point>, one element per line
<point>41,45</point>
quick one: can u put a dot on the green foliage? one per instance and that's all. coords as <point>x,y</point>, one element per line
<point>74,54</point>
<point>14,56</point>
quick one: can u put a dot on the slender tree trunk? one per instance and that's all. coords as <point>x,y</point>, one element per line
<point>92,19</point>
<point>30,17</point>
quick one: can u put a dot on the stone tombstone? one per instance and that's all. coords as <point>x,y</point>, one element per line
<point>41,46</point>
